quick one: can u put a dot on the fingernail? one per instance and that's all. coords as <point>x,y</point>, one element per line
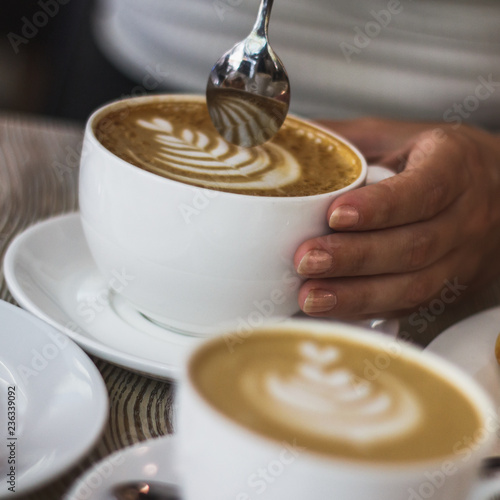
<point>315,262</point>
<point>318,301</point>
<point>343,217</point>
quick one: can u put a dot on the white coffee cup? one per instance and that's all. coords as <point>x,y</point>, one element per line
<point>222,457</point>
<point>194,259</point>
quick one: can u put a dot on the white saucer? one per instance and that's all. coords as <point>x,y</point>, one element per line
<point>153,459</point>
<point>50,272</point>
<point>470,344</point>
<point>59,405</point>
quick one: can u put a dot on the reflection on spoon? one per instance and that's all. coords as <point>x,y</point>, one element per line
<point>244,118</point>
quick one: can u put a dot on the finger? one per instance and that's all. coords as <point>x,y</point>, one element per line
<point>430,182</point>
<point>396,250</point>
<point>378,295</point>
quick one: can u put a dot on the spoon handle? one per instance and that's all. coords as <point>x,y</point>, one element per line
<point>262,24</point>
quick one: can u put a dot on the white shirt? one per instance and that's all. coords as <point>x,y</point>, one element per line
<point>408,59</point>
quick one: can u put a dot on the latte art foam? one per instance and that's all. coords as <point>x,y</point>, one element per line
<point>175,138</point>
<point>327,399</point>
<point>191,155</point>
<point>334,397</point>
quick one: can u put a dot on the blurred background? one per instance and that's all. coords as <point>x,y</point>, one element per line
<point>55,68</point>
<point>415,60</point>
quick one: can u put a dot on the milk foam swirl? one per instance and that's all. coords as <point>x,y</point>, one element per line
<point>191,155</point>
<point>324,398</point>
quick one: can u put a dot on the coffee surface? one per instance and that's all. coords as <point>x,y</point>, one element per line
<point>176,139</point>
<point>336,396</point>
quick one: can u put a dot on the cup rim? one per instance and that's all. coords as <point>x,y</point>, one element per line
<point>89,133</point>
<point>465,384</point>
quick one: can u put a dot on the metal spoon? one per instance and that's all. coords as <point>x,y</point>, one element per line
<point>248,91</point>
<point>153,490</point>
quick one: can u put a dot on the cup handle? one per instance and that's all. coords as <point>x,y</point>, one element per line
<point>377,173</point>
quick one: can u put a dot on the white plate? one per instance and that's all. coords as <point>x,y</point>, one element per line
<point>59,405</point>
<point>470,344</point>
<point>150,460</point>
<point>50,272</point>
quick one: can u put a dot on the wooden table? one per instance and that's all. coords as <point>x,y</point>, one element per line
<point>38,179</point>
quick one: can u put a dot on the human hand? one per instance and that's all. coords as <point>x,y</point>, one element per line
<point>430,231</point>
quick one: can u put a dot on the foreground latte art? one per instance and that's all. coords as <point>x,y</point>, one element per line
<point>326,398</point>
<point>177,140</point>
<point>338,397</point>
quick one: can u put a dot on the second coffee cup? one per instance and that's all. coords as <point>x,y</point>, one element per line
<point>316,410</point>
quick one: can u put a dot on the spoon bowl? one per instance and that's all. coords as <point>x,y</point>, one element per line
<point>248,90</point>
